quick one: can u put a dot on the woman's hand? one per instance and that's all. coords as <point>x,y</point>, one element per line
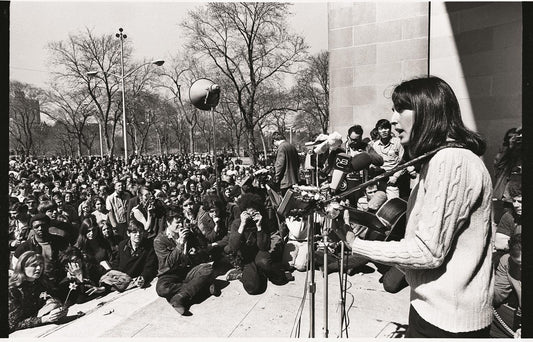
<point>74,271</point>
<point>94,289</point>
<point>55,315</point>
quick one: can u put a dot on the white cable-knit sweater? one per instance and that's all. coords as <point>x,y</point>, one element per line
<point>447,250</point>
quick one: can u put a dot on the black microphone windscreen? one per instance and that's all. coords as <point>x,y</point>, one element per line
<point>361,161</point>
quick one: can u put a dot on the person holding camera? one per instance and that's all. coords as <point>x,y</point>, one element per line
<point>183,271</point>
<point>249,244</point>
<point>149,212</point>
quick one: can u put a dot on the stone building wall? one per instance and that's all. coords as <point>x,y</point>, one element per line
<point>476,47</point>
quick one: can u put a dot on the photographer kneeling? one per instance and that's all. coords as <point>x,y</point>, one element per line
<point>249,244</point>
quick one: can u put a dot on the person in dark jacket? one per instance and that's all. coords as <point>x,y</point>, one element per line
<point>46,244</point>
<point>183,271</point>
<point>136,256</point>
<point>287,163</point>
<point>81,282</point>
<point>28,292</point>
<point>249,243</point>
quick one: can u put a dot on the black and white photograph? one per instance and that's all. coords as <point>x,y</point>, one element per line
<point>266,169</point>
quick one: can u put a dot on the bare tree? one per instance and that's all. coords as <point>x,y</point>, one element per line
<point>250,44</point>
<point>72,110</point>
<point>175,77</point>
<point>25,102</point>
<point>313,90</point>
<point>82,53</point>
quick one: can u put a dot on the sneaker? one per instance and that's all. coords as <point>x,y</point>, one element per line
<point>214,290</point>
<point>234,274</point>
<point>180,303</point>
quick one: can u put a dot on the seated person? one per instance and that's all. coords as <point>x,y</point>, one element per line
<point>46,244</point>
<point>296,249</point>
<point>109,236</point>
<point>510,222</point>
<point>27,294</point>
<point>249,243</point>
<point>183,272</point>
<point>508,292</point>
<point>18,225</point>
<point>149,212</point>
<point>60,228</point>
<point>210,219</point>
<point>92,244</point>
<point>136,256</point>
<point>82,276</point>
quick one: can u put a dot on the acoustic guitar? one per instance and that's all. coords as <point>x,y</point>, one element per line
<point>388,222</point>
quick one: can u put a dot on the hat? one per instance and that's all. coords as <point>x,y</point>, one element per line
<point>377,200</point>
<point>39,217</point>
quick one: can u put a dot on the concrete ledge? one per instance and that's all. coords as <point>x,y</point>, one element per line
<point>140,313</point>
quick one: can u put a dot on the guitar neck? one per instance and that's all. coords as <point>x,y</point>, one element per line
<point>391,172</point>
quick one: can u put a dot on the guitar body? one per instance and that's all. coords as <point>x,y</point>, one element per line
<point>388,223</point>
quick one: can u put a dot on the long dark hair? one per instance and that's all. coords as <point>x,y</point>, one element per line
<point>436,116</point>
<point>82,241</point>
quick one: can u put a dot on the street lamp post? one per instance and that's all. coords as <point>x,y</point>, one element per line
<point>122,37</point>
<point>157,62</point>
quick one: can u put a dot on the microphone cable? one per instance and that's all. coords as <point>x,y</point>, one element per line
<point>298,318</point>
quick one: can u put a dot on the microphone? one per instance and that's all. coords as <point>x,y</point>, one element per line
<point>340,169</point>
<point>360,161</point>
<point>323,147</point>
<point>345,164</point>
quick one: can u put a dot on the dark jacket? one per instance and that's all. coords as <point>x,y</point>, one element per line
<point>249,242</point>
<point>53,270</point>
<point>24,303</point>
<point>91,275</point>
<point>171,257</point>
<point>286,166</point>
<point>141,262</point>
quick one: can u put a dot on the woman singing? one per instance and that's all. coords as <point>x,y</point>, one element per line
<point>446,253</point>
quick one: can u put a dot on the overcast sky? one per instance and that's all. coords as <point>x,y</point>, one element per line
<point>152,27</point>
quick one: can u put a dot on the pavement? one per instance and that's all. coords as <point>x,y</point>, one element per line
<point>372,312</point>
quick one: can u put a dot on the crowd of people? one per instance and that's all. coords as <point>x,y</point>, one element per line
<point>82,227</point>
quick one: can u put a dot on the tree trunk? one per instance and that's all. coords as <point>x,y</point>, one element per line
<point>252,148</point>
<point>191,138</point>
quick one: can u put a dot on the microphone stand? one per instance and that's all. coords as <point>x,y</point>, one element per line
<point>311,285</point>
<point>326,223</point>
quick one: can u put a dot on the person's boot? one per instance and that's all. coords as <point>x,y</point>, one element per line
<point>180,303</point>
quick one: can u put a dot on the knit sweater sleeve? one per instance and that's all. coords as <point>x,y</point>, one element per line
<point>450,187</point>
